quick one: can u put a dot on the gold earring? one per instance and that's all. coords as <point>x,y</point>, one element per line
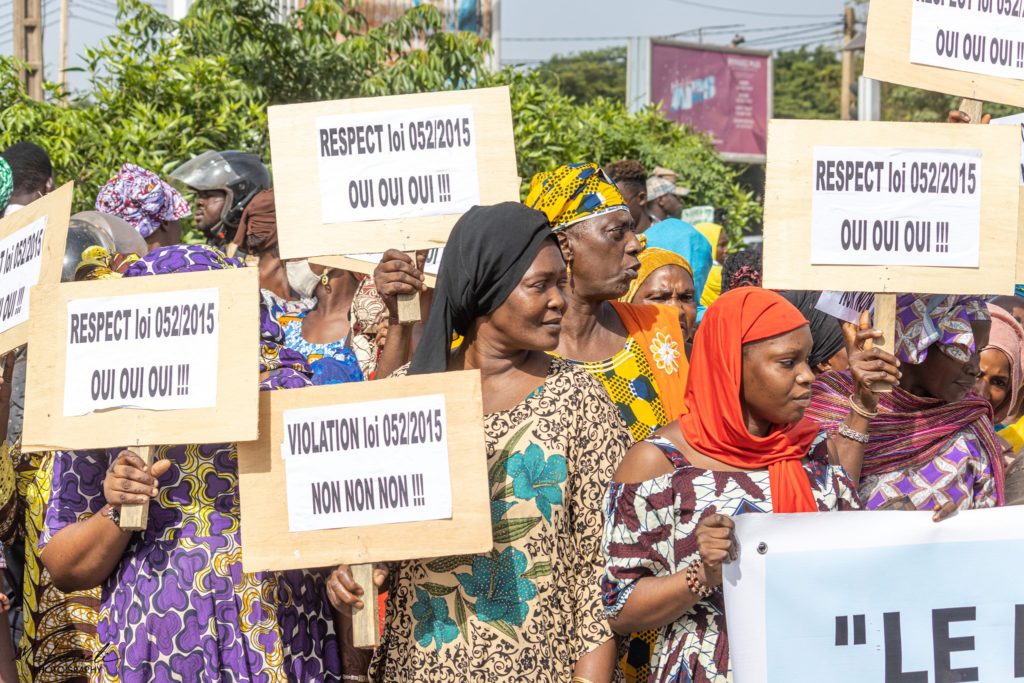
<point>324,281</point>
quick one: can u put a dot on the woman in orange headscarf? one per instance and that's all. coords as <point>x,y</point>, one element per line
<point>743,447</point>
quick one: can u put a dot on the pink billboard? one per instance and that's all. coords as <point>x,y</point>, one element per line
<point>723,92</point>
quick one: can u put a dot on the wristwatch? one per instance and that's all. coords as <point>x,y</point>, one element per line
<point>113,514</point>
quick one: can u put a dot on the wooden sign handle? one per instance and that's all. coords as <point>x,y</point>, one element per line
<point>365,621</point>
<point>885,320</point>
<point>972,108</point>
<point>409,304</point>
<point>135,516</point>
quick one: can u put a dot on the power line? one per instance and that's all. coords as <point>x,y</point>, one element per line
<point>790,34</point>
<point>753,13</point>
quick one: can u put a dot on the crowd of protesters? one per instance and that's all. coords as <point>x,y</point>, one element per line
<point>640,389</point>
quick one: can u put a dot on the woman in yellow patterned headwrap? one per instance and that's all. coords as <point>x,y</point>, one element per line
<point>635,351</point>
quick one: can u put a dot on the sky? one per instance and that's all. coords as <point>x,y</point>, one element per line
<point>534,30</point>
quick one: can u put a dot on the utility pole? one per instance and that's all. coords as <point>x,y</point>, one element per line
<point>28,44</point>
<point>846,94</point>
<point>62,49</point>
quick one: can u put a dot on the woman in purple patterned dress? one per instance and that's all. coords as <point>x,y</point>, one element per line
<point>933,443</point>
<point>176,605</point>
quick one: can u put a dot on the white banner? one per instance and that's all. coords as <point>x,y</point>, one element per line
<point>151,351</point>
<point>850,597</point>
<point>359,464</point>
<point>976,36</point>
<point>21,254</point>
<point>898,207</point>
<point>1015,120</point>
<point>429,267</point>
<point>397,164</point>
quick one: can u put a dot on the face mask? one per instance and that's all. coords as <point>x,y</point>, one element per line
<point>301,277</point>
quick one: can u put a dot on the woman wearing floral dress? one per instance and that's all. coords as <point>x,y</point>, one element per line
<point>530,609</point>
<point>176,605</point>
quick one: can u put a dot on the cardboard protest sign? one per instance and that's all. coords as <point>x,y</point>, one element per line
<point>970,48</point>
<point>891,207</point>
<point>356,473</point>
<point>850,597</point>
<point>365,175</point>
<point>167,359</point>
<point>31,251</point>
<point>1017,121</point>
<point>366,263</point>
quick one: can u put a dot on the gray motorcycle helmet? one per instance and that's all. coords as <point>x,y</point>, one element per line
<point>94,229</point>
<point>238,174</point>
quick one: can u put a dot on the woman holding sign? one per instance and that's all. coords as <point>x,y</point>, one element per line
<point>743,447</point>
<point>932,440</point>
<point>530,609</point>
<point>176,604</point>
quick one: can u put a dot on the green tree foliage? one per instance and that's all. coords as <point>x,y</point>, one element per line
<point>807,83</point>
<point>160,92</point>
<point>585,76</point>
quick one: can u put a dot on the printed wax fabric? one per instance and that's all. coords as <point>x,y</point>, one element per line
<point>649,531</point>
<point>530,608</point>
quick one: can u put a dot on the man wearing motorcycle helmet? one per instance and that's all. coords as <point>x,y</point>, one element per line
<point>224,183</point>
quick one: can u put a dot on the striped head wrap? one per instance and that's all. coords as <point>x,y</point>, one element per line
<point>572,193</point>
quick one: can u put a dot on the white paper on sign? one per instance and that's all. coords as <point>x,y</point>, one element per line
<point>1015,120</point>
<point>21,255</point>
<point>360,464</point>
<point>976,36</point>
<point>430,266</point>
<point>397,164</point>
<point>847,306</point>
<point>898,207</point>
<point>150,351</point>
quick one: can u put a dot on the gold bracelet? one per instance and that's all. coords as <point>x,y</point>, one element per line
<point>861,410</point>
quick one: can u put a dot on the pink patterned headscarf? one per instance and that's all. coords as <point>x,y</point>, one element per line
<point>140,197</point>
<point>1008,336</point>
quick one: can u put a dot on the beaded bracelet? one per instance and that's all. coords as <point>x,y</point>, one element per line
<point>853,434</point>
<point>696,586</point>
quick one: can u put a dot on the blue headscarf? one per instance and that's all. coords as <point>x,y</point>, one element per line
<point>684,239</point>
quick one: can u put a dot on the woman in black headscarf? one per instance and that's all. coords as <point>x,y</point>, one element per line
<point>530,609</point>
<point>829,352</point>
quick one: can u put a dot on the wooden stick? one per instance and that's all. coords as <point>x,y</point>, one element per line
<point>365,621</point>
<point>885,320</point>
<point>409,304</point>
<point>972,108</point>
<point>135,516</point>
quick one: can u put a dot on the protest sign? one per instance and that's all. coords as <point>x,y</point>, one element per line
<point>143,361</point>
<point>851,596</point>
<point>373,472</point>
<point>899,207</point>
<point>1017,121</point>
<point>366,263</point>
<point>970,48</point>
<point>31,251</point>
<point>364,175</point>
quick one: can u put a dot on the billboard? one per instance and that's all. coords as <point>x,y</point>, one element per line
<point>724,92</point>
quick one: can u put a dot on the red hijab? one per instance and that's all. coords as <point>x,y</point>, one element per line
<point>715,425</point>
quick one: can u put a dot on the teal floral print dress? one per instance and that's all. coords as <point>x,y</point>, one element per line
<point>531,607</point>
